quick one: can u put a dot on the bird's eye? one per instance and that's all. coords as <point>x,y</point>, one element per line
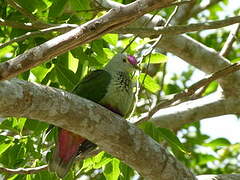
<point>124,60</point>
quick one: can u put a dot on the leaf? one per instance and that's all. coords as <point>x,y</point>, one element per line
<point>218,142</point>
<point>101,160</point>
<point>172,139</point>
<point>149,83</point>
<point>111,39</point>
<point>235,60</point>
<point>57,8</point>
<point>6,142</point>
<point>18,123</point>
<point>126,172</point>
<point>66,77</point>
<point>211,88</point>
<point>112,170</point>
<point>157,133</point>
<point>97,47</point>
<point>108,52</point>
<point>72,63</point>
<point>32,5</point>
<point>40,72</point>
<point>155,58</point>
<point>205,158</point>
<point>80,4</point>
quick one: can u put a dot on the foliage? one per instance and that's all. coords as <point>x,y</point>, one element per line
<point>23,142</point>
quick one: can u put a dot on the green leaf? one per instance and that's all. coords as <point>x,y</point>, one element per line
<point>57,8</point>
<point>157,133</point>
<point>97,47</point>
<point>32,5</point>
<point>40,72</point>
<point>18,123</point>
<point>101,160</point>
<point>149,83</point>
<point>218,142</point>
<point>112,170</point>
<point>108,52</point>
<point>155,58</point>
<point>211,88</point>
<point>66,77</point>
<point>80,4</point>
<point>72,62</point>
<point>5,143</point>
<point>172,139</point>
<point>235,60</point>
<point>111,39</point>
<point>126,172</point>
<point>205,158</point>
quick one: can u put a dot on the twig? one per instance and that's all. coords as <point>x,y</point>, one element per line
<point>33,170</point>
<point>63,27</point>
<point>183,13</point>
<point>27,14</point>
<point>27,26</point>
<point>230,40</point>
<point>163,77</point>
<point>192,89</point>
<point>180,29</point>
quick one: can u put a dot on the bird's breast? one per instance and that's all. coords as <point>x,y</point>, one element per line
<point>119,94</point>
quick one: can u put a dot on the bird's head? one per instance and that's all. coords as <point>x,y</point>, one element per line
<point>123,62</point>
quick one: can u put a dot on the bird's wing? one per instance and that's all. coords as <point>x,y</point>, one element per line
<point>93,86</point>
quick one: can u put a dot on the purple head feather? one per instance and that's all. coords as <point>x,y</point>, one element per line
<point>132,60</point>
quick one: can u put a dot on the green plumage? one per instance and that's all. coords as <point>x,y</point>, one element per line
<point>93,86</point>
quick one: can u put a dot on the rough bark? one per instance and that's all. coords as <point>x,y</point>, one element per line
<point>209,106</point>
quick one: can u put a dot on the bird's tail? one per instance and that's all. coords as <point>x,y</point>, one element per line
<point>67,148</point>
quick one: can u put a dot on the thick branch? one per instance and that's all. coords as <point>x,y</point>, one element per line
<point>209,106</point>
<point>219,177</point>
<point>89,31</point>
<point>112,133</point>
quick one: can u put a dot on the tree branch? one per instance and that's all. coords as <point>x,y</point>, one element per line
<point>24,170</point>
<point>27,14</point>
<point>26,26</point>
<point>189,92</point>
<point>219,177</point>
<point>180,29</point>
<point>89,31</point>
<point>60,28</point>
<point>108,130</point>
<point>230,40</point>
<point>208,106</point>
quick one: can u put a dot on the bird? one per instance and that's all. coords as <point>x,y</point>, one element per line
<point>111,87</point>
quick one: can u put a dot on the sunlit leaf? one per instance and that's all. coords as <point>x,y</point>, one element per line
<point>149,83</point>
<point>218,142</point>
<point>5,143</point>
<point>172,139</point>
<point>111,38</point>
<point>155,59</point>
<point>112,171</point>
